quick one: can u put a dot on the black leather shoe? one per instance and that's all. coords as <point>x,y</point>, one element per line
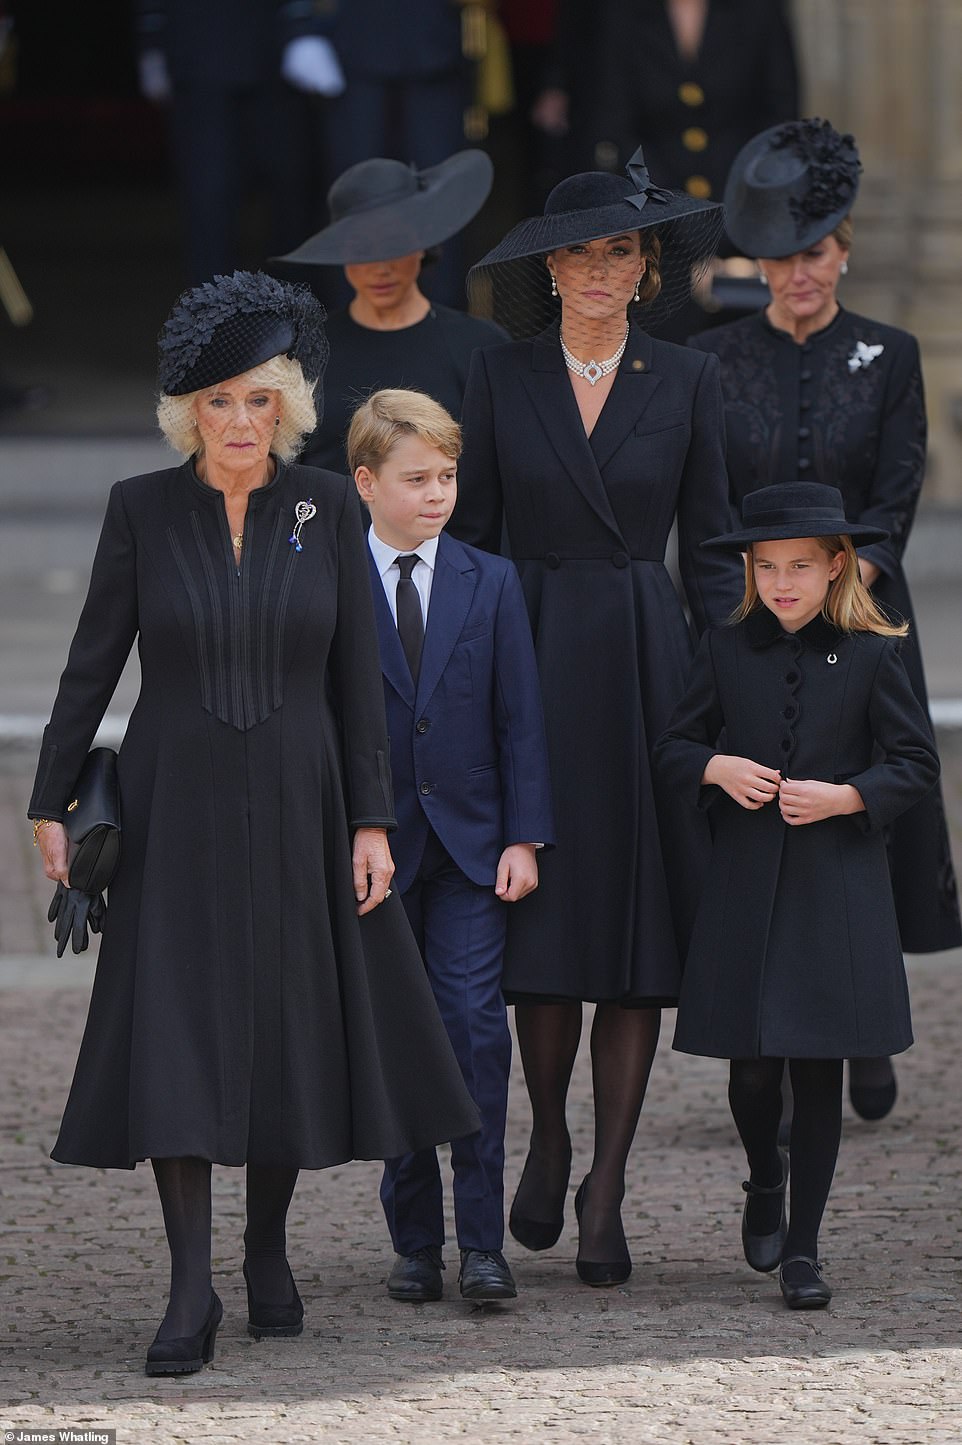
<point>188,1353</point>
<point>273,1322</point>
<point>872,1101</point>
<point>764,1251</point>
<point>416,1278</point>
<point>808,1293</point>
<point>599,1274</point>
<point>485,1276</point>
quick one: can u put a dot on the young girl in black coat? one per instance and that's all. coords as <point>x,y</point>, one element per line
<point>795,951</point>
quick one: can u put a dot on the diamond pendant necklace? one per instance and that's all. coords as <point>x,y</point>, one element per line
<point>592,370</point>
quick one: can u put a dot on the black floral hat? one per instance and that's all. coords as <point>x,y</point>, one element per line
<point>789,187</point>
<point>793,509</point>
<point>232,324</point>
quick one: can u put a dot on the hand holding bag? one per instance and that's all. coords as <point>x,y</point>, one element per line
<point>92,825</point>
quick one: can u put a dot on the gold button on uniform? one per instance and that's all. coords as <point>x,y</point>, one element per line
<point>691,94</point>
<point>699,187</point>
<point>694,138</point>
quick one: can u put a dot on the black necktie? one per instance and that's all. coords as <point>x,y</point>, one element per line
<point>410,622</point>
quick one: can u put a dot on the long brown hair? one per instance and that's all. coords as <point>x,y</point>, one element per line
<point>848,605</point>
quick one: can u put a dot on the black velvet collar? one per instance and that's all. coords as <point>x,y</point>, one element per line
<point>762,628</point>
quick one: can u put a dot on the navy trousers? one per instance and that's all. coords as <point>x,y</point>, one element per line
<point>460,929</point>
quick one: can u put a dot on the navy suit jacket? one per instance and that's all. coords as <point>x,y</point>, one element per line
<point>468,752</point>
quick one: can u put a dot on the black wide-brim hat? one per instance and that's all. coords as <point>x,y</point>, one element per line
<point>512,283</point>
<point>381,209</point>
<point>231,324</point>
<point>794,509</point>
<point>789,187</point>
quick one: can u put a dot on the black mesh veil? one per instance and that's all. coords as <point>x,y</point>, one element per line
<point>512,286</point>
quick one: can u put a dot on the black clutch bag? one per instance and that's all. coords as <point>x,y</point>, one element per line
<point>92,823</point>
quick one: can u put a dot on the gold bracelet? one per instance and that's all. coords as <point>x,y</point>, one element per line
<point>39,823</point>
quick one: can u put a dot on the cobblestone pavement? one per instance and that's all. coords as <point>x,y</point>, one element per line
<point>695,1348</point>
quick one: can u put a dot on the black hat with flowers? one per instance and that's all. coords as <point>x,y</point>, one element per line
<point>233,323</point>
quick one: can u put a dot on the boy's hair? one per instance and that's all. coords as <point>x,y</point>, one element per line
<point>397,412</point>
<point>849,605</point>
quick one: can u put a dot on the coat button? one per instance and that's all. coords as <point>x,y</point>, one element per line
<point>806,403</point>
<point>421,725</point>
<point>789,712</point>
<point>786,745</point>
<point>804,432</point>
<point>805,375</point>
<point>552,560</point>
<point>426,788</point>
<point>803,464</point>
<point>620,559</point>
<point>791,677</point>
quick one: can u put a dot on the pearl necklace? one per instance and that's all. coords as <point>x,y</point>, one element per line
<point>592,370</point>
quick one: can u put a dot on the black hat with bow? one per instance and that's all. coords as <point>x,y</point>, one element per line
<point>513,283</point>
<point>789,187</point>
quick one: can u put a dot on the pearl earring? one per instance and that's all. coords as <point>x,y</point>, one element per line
<point>762,277</point>
<point>844,268</point>
<point>554,286</point>
<point>637,295</point>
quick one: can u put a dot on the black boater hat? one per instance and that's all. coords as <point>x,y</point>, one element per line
<point>794,509</point>
<point>512,282</point>
<point>231,324</point>
<point>789,187</point>
<point>382,208</point>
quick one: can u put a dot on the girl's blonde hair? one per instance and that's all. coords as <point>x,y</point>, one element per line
<point>848,605</point>
<point>283,374</point>
<point>395,412</point>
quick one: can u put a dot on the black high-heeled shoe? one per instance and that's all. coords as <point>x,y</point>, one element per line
<point>598,1274</point>
<point>273,1322</point>
<point>187,1353</point>
<point>536,1234</point>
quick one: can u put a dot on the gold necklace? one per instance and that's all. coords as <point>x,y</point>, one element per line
<point>238,541</point>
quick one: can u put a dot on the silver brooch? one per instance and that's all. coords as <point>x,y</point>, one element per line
<point>303,512</point>
<point>831,659</point>
<point>863,356</point>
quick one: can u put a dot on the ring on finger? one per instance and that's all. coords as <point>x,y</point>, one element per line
<point>387,892</point>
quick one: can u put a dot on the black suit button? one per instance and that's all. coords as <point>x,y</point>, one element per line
<point>426,788</point>
<point>806,403</point>
<point>803,464</point>
<point>552,560</point>
<point>791,677</point>
<point>786,745</point>
<point>789,712</point>
<point>806,347</point>
<point>805,375</point>
<point>804,432</point>
<point>422,725</point>
<point>620,559</point>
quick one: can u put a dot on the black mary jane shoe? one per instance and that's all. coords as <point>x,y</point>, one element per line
<point>599,1274</point>
<point>485,1276</point>
<point>273,1322</point>
<point>764,1251</point>
<point>810,1293</point>
<point>188,1353</point>
<point>871,1101</point>
<point>536,1234</point>
<point>416,1278</point>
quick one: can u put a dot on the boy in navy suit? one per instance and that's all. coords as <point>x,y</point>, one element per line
<point>473,804</point>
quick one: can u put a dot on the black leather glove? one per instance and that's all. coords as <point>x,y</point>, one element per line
<point>72,913</point>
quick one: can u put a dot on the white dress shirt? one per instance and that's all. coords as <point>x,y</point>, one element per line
<point>385,559</point>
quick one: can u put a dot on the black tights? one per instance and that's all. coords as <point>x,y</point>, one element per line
<point>184,1189</point>
<point>755,1095</point>
<point>623,1043</point>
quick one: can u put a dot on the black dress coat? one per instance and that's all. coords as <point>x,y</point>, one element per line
<point>795,951</point>
<point>587,520</point>
<point>827,411</point>
<point>434,356</point>
<point>241,1011</point>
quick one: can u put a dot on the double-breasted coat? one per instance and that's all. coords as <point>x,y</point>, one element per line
<point>241,1011</point>
<point>587,521</point>
<point>795,949</point>
<point>847,408</point>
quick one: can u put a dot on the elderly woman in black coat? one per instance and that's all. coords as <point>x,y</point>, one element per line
<point>815,391</point>
<point>586,440</point>
<point>256,999</point>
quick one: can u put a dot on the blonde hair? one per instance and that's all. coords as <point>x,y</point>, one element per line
<point>177,418</point>
<point>393,413</point>
<point>848,605</point>
<point>844,232</point>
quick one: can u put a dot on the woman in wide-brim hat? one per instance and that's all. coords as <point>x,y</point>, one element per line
<point>256,1000</point>
<point>813,390</point>
<point>588,438</point>
<point>387,221</point>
